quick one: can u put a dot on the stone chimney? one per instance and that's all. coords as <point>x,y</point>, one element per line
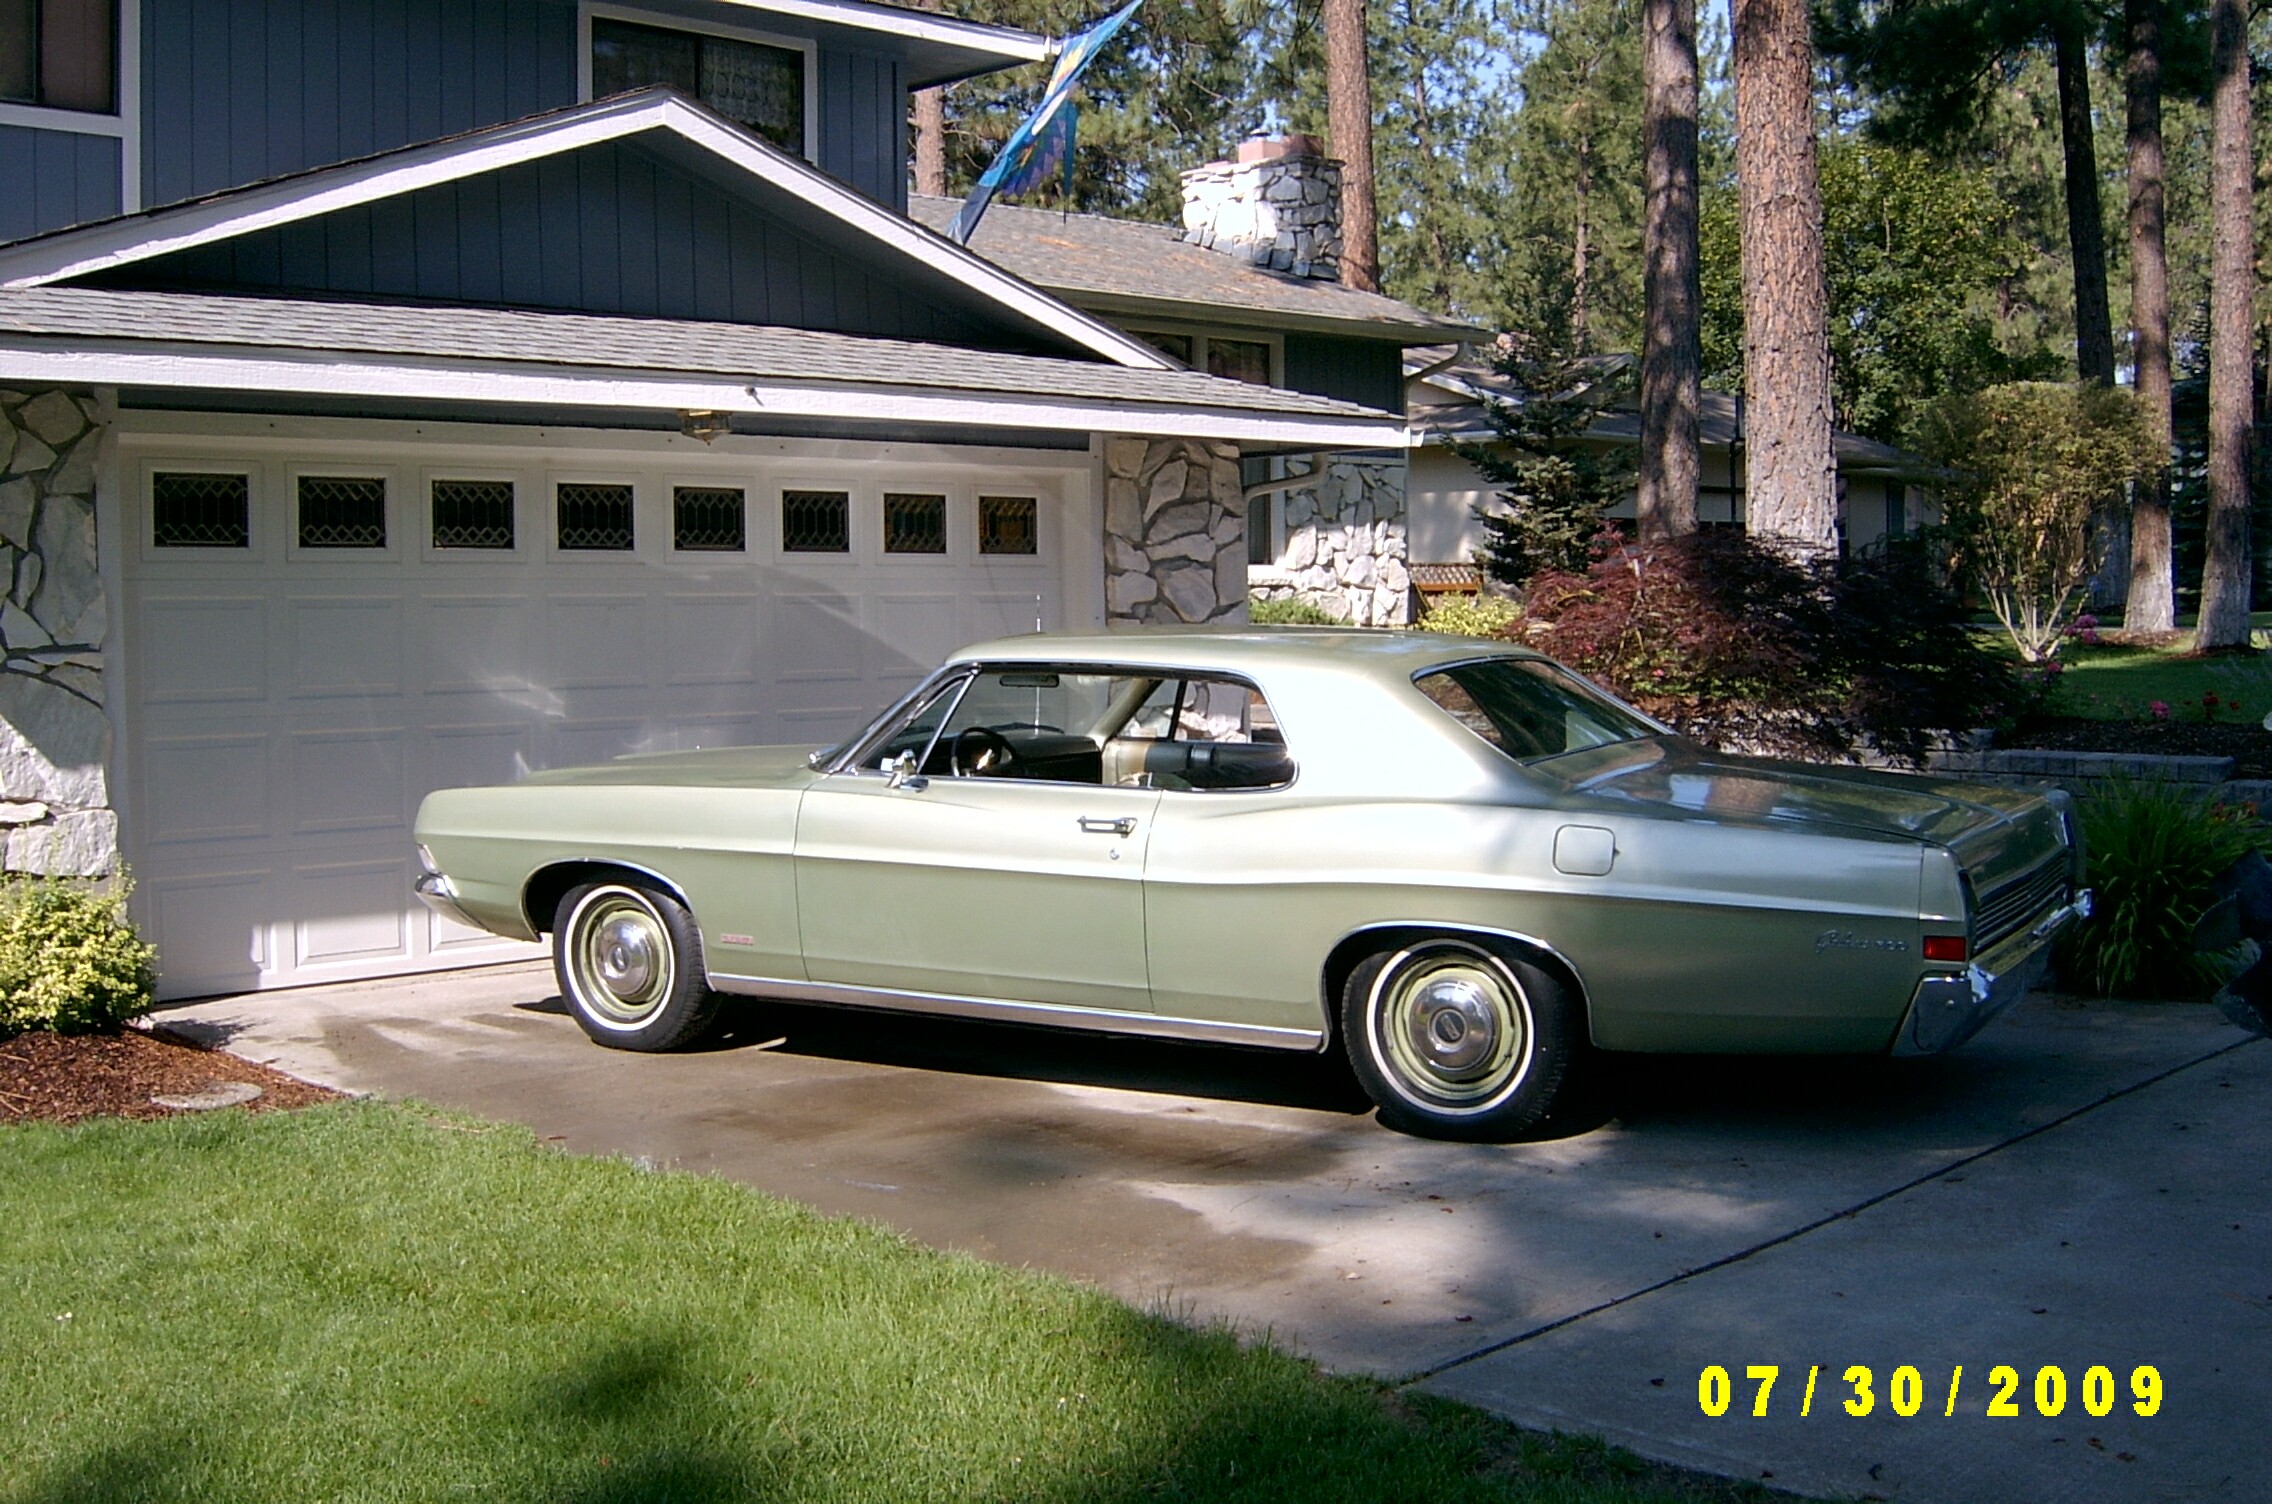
<point>1277,205</point>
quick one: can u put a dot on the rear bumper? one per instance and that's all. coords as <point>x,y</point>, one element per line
<point>1948,1010</point>
<point>436,892</point>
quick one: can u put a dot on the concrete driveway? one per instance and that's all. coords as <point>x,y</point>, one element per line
<point>2083,1185</point>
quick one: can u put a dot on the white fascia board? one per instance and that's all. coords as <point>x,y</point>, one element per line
<point>998,41</point>
<point>60,258</point>
<point>276,373</point>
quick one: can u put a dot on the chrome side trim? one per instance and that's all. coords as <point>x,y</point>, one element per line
<point>1003,1010</point>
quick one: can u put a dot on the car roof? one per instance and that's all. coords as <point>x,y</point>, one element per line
<point>1248,650</point>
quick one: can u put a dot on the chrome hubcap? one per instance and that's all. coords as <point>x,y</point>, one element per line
<point>1453,1025</point>
<point>620,958</point>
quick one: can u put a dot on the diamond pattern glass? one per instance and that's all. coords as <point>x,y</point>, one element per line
<point>914,524</point>
<point>708,519</point>
<point>594,517</point>
<point>816,522</point>
<point>1006,525</point>
<point>473,514</point>
<point>338,511</point>
<point>201,511</point>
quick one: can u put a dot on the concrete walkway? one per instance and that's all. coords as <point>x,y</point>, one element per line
<point>2082,1185</point>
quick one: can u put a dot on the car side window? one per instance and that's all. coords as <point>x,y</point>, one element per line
<point>1219,734</point>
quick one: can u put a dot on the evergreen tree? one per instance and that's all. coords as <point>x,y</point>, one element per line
<point>1671,357</point>
<point>2232,322</point>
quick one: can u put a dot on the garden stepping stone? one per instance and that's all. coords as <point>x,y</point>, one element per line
<point>215,1094</point>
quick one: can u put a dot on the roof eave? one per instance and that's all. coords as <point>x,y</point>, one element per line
<point>957,49</point>
<point>1196,311</point>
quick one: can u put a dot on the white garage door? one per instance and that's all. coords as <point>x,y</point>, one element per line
<point>314,642</point>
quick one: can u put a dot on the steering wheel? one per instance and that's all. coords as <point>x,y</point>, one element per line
<point>981,752</point>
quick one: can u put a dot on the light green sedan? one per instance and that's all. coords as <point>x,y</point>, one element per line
<point>1459,862</point>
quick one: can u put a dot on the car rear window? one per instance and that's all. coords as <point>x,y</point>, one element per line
<point>1529,708</point>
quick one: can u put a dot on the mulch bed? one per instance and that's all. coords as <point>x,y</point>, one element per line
<point>62,1078</point>
<point>2249,746</point>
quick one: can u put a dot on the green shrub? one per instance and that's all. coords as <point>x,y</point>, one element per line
<point>2155,855</point>
<point>1292,611</point>
<point>1473,616</point>
<point>70,960</point>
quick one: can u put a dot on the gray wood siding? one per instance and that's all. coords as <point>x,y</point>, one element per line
<point>236,91</point>
<point>609,229</point>
<point>49,179</point>
<point>1370,371</point>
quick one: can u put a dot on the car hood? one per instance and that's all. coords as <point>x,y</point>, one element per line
<point>717,767</point>
<point>1994,831</point>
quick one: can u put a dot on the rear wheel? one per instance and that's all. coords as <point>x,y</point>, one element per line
<point>1459,1038</point>
<point>629,962</point>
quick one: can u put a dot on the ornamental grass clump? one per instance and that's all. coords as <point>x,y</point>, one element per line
<point>70,960</point>
<point>2155,856</point>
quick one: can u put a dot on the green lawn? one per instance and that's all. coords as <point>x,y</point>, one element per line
<point>2112,682</point>
<point>379,1302</point>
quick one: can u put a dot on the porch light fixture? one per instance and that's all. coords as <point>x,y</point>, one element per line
<point>703,423</point>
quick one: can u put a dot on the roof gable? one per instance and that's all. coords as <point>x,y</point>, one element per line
<point>645,204</point>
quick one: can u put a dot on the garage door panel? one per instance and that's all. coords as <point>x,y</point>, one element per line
<point>1006,613</point>
<point>711,639</point>
<point>815,639</point>
<point>211,927</point>
<point>907,624</point>
<point>209,787</point>
<point>574,743</point>
<point>474,644</point>
<point>204,651</point>
<point>347,780</point>
<point>597,642</point>
<point>460,756</point>
<point>346,912</point>
<point>345,646</point>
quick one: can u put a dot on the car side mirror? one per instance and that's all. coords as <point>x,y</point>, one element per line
<point>903,774</point>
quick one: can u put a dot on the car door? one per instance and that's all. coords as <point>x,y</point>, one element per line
<point>930,867</point>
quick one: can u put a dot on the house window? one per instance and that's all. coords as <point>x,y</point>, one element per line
<point>708,519</point>
<point>595,518</point>
<point>816,522</point>
<point>473,514</point>
<point>914,524</point>
<point>750,83</point>
<point>201,511</point>
<point>1177,345</point>
<point>1236,357</point>
<point>62,54</point>
<point>1239,360</point>
<point>342,512</point>
<point>1008,525</point>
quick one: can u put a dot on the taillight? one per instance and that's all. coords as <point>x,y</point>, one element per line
<point>1947,948</point>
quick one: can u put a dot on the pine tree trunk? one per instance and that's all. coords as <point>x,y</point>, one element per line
<point>2152,606</point>
<point>930,124</point>
<point>1792,496</point>
<point>2225,573</point>
<point>1349,119</point>
<point>1671,341</point>
<point>2086,227</point>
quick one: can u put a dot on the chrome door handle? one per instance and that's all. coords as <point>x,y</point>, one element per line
<point>1124,826</point>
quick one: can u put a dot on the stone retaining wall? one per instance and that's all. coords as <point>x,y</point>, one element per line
<point>1174,532</point>
<point>54,737</point>
<point>2084,772</point>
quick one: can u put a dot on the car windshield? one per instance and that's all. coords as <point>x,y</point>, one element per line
<point>1529,708</point>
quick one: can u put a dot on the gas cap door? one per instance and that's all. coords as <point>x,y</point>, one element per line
<point>1584,851</point>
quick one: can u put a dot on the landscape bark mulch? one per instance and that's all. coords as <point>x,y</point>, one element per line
<point>64,1078</point>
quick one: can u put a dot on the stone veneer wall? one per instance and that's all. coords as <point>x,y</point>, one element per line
<point>1347,549</point>
<point>1174,532</point>
<point>54,737</point>
<point>1283,213</point>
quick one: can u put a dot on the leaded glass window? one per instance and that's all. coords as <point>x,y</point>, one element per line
<point>914,524</point>
<point>339,511</point>
<point>594,518</point>
<point>201,510</point>
<point>473,513</point>
<point>1007,525</point>
<point>708,519</point>
<point>816,522</point>
<point>751,84</point>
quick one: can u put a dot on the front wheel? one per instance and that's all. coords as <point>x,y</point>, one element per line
<point>1459,1038</point>
<point>629,962</point>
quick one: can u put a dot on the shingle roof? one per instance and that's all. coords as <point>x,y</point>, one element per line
<point>526,338</point>
<point>1088,256</point>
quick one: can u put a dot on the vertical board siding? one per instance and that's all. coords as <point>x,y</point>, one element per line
<point>1369,371</point>
<point>609,229</point>
<point>863,124</point>
<point>49,179</point>
<point>241,90</point>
